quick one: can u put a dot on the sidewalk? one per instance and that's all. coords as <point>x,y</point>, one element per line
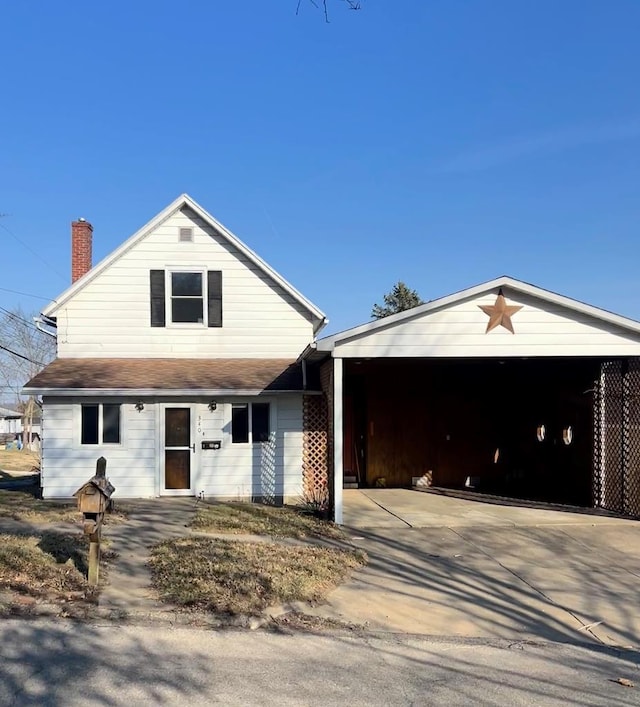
<point>128,591</point>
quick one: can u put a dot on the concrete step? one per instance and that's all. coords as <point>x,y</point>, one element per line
<point>349,479</point>
<point>350,485</point>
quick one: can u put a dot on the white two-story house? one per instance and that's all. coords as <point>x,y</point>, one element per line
<point>195,369</point>
<point>178,361</point>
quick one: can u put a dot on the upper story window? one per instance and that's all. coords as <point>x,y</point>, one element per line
<point>187,298</point>
<point>180,296</point>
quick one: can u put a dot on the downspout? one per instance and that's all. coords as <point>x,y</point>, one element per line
<point>304,374</point>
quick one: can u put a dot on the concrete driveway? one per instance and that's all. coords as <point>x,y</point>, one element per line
<point>455,567</point>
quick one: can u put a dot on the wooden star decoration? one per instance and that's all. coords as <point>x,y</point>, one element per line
<point>500,313</point>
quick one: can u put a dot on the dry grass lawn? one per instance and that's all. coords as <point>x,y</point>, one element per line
<point>24,506</point>
<point>48,567</point>
<point>19,460</point>
<point>21,505</point>
<point>240,578</point>
<point>257,519</point>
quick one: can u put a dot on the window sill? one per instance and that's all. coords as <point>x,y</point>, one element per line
<point>185,325</point>
<point>110,445</point>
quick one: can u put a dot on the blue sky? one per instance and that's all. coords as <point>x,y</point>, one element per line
<point>442,143</point>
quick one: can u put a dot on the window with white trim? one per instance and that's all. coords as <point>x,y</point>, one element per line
<point>187,298</point>
<point>100,423</point>
<point>250,422</point>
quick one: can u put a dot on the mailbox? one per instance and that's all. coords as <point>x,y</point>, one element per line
<point>94,498</point>
<point>211,444</point>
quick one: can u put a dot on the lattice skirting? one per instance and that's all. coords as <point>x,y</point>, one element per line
<point>617,437</point>
<point>315,471</point>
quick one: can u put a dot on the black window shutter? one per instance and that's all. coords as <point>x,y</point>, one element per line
<point>157,298</point>
<point>214,295</point>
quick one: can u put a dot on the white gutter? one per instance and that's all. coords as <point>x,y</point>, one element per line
<point>40,322</point>
<point>150,392</point>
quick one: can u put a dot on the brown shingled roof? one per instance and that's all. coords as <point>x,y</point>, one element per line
<point>170,374</point>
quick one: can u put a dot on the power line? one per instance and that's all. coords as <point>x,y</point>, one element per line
<point>31,250</point>
<point>19,318</point>
<point>26,294</point>
<point>13,353</point>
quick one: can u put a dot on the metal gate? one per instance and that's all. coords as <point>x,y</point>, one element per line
<point>616,463</point>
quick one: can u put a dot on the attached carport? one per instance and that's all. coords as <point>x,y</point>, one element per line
<point>503,388</point>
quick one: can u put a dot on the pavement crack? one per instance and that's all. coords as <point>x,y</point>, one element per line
<point>599,554</point>
<point>395,515</point>
<point>546,597</point>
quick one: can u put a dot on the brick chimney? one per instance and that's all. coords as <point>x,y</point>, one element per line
<point>81,239</point>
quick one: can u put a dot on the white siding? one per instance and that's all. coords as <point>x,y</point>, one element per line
<point>243,471</point>
<point>541,329</point>
<point>110,316</point>
<point>237,471</point>
<point>66,464</point>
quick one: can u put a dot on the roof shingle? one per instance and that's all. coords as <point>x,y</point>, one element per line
<point>169,374</point>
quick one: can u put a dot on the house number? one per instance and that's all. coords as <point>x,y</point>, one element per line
<point>199,424</point>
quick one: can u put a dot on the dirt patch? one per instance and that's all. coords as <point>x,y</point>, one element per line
<point>254,519</point>
<point>237,578</point>
<point>296,621</point>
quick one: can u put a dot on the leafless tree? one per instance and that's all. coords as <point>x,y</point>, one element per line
<point>24,351</point>
<point>324,5</point>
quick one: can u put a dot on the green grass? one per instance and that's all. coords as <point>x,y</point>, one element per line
<point>257,519</point>
<point>231,578</point>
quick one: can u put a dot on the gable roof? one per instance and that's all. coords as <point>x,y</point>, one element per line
<point>328,343</point>
<point>179,203</point>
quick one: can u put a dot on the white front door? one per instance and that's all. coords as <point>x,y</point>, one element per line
<point>179,452</point>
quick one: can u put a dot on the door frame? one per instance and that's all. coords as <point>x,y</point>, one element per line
<point>194,458</point>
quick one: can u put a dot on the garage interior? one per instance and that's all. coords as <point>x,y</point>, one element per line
<point>515,427</point>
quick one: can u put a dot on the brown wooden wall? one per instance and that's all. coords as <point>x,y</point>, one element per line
<point>476,418</point>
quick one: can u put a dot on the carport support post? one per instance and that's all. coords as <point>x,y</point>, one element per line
<point>337,440</point>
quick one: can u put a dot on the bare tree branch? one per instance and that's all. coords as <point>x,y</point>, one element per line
<point>24,351</point>
<point>351,4</point>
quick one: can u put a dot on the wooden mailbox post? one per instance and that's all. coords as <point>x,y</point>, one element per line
<point>94,500</point>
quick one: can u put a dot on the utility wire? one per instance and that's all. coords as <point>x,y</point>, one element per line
<point>26,358</point>
<point>26,294</point>
<point>31,250</point>
<point>19,318</point>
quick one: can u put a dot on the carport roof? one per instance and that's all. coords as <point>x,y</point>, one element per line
<point>328,343</point>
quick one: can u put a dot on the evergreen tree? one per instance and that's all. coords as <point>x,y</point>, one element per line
<point>399,299</point>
